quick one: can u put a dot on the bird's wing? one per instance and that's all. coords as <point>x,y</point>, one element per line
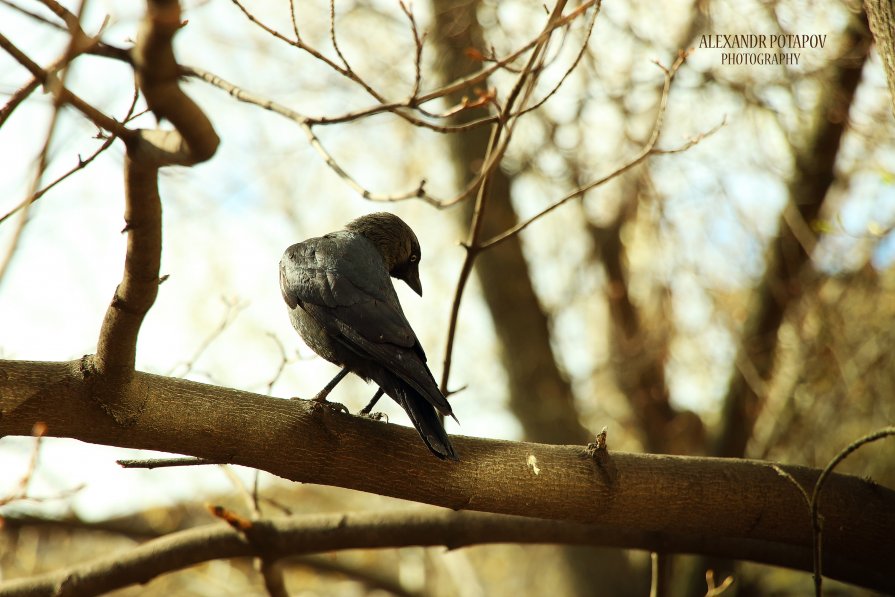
<point>341,280</point>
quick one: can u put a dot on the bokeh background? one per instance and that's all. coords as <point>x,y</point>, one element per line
<point>736,298</point>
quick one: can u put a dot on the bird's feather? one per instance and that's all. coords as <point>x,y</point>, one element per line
<point>340,281</point>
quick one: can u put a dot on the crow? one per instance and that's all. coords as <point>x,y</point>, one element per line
<point>343,304</point>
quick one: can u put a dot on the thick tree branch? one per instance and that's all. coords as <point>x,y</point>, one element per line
<point>193,141</point>
<point>881,15</point>
<point>117,347</point>
<point>282,537</point>
<point>157,71</point>
<point>136,528</point>
<point>702,498</point>
<point>788,258</point>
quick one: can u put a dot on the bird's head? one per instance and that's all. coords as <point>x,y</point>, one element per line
<point>397,244</point>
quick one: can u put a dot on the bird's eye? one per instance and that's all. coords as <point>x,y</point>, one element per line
<point>414,258</point>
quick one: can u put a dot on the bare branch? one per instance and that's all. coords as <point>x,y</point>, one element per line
<point>497,146</point>
<point>272,573</point>
<point>573,65</point>
<point>647,150</point>
<point>232,310</point>
<point>418,44</point>
<point>294,20</point>
<point>77,43</point>
<point>193,140</point>
<point>152,463</point>
<point>37,17</point>
<point>345,71</point>
<point>64,96</point>
<point>415,102</point>
<point>403,109</point>
<point>87,46</point>
<point>117,346</point>
<point>82,163</point>
<point>816,522</point>
<point>370,576</point>
<point>714,590</point>
<point>17,98</point>
<point>332,36</point>
<point>71,20</point>
<point>21,492</point>
<point>284,360</point>
<point>282,537</point>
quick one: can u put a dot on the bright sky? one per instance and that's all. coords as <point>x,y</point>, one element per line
<point>225,230</point>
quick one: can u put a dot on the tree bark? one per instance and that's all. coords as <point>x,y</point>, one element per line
<point>881,15</point>
<point>308,442</point>
<point>284,537</point>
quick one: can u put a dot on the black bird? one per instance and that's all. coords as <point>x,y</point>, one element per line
<point>342,303</point>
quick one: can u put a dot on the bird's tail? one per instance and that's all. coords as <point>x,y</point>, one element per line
<point>423,416</point>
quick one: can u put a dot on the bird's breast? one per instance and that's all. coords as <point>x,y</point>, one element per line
<point>315,335</point>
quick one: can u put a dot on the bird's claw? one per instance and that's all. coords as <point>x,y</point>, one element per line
<point>334,405</point>
<point>374,416</point>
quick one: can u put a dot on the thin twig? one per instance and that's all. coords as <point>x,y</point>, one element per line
<point>34,15</point>
<point>332,35</point>
<point>795,483</point>
<point>274,579</point>
<point>284,360</point>
<point>294,20</point>
<point>298,43</point>
<point>82,163</point>
<point>482,75</point>
<point>242,490</point>
<point>581,51</point>
<point>71,25</point>
<point>16,99</point>
<point>816,524</point>
<point>713,590</point>
<point>233,309</point>
<point>256,493</point>
<point>247,97</point>
<point>151,463</point>
<point>21,492</point>
<point>418,44</point>
<point>75,42</point>
<point>71,20</point>
<point>647,150</point>
<point>401,108</point>
<point>64,95</point>
<point>269,568</point>
<point>497,144</point>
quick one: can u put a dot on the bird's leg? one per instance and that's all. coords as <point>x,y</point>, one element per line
<point>365,411</point>
<point>322,394</point>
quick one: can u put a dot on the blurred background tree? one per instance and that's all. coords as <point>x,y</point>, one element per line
<point>734,299</point>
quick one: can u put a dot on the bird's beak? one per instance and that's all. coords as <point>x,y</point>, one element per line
<point>413,280</point>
